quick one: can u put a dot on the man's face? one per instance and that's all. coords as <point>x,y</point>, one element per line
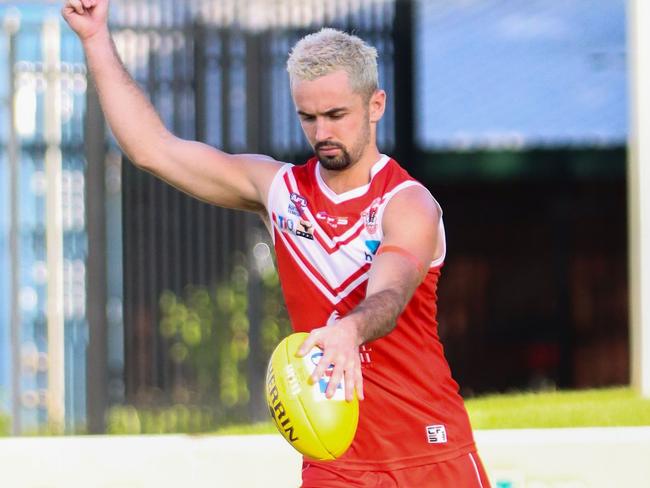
<point>335,119</point>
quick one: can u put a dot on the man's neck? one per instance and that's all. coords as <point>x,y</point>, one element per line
<point>358,174</point>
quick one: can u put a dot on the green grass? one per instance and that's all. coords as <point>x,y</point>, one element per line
<point>258,428</point>
<point>610,407</point>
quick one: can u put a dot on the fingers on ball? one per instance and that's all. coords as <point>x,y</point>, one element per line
<point>358,384</point>
<point>349,388</point>
<point>319,370</point>
<point>334,381</point>
<point>307,344</point>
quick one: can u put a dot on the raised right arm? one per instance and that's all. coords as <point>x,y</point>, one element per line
<point>235,181</point>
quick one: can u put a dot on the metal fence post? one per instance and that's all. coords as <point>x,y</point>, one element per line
<point>11,26</point>
<point>256,117</point>
<point>96,283</point>
<point>404,84</point>
<point>54,226</point>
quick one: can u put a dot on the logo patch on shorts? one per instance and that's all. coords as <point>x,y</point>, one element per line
<point>436,434</point>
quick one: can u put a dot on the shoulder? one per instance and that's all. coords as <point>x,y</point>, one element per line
<point>259,165</point>
<point>403,189</point>
<point>393,178</point>
<point>412,221</point>
<point>261,171</point>
<point>413,199</point>
<point>260,161</point>
<point>412,213</point>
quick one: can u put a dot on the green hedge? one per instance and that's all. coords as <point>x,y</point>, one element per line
<point>126,420</point>
<point>5,425</point>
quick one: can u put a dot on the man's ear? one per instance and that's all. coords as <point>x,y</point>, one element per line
<point>377,105</point>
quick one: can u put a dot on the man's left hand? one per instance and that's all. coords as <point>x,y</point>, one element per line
<point>340,346</point>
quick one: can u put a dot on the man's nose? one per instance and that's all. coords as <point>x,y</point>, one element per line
<point>323,130</point>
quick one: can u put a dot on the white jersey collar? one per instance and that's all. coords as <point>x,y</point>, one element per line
<point>355,192</point>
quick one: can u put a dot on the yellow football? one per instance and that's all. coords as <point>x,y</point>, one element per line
<point>318,427</point>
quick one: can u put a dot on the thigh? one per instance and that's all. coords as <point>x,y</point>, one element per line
<point>465,471</point>
<point>321,476</point>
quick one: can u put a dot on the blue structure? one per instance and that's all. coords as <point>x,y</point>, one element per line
<point>29,97</point>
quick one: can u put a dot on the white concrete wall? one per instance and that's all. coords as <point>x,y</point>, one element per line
<point>548,458</point>
<point>567,458</point>
<point>148,462</point>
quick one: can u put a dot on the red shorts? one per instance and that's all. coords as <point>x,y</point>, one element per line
<point>465,471</point>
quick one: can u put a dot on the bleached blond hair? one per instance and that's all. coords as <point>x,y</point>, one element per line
<point>330,50</point>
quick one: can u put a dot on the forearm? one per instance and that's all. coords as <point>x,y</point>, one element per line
<point>132,118</point>
<point>376,316</point>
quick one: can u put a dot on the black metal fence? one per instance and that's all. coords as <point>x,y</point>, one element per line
<point>215,70</point>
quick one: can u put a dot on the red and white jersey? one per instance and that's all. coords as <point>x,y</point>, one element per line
<point>325,243</point>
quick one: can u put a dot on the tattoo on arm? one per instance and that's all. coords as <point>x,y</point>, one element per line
<point>376,316</point>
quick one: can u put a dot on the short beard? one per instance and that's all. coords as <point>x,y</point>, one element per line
<point>347,158</point>
<point>334,163</point>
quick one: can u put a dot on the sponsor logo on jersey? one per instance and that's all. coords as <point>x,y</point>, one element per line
<point>301,228</point>
<point>371,246</point>
<point>332,221</point>
<point>297,205</point>
<point>305,230</point>
<point>370,216</point>
<point>436,434</point>
<point>285,224</point>
<point>298,200</point>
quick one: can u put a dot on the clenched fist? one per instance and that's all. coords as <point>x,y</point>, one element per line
<point>86,17</point>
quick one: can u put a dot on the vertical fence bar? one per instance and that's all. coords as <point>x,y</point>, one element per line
<point>256,116</point>
<point>225,64</point>
<point>200,70</point>
<point>200,133</point>
<point>404,84</point>
<point>96,283</point>
<point>11,26</point>
<point>148,225</point>
<point>54,228</point>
